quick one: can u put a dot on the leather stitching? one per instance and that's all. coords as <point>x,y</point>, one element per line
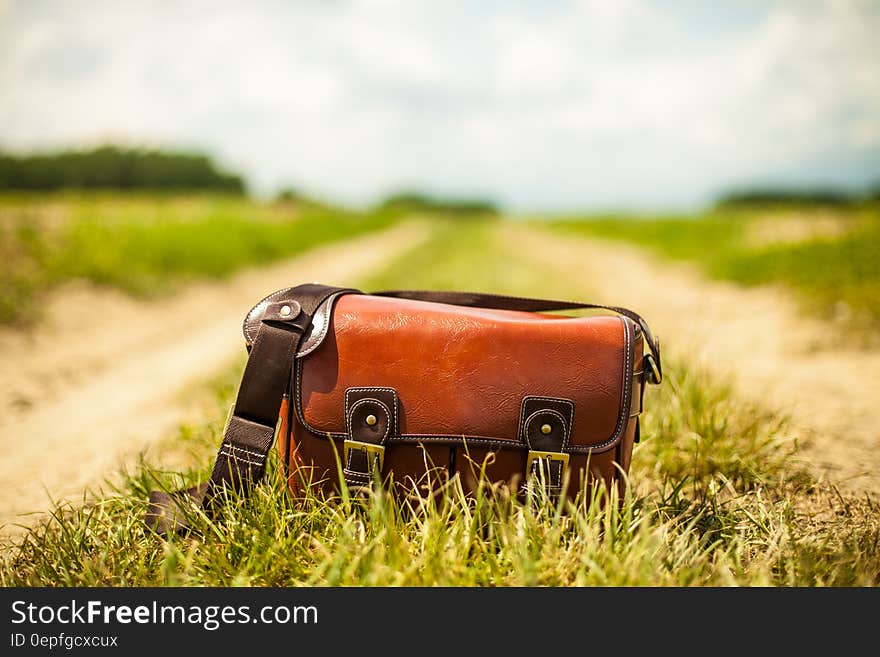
<point>247,318</point>
<point>392,416</point>
<point>624,406</point>
<point>522,411</point>
<point>367,400</point>
<point>225,451</point>
<point>547,411</point>
<point>249,452</point>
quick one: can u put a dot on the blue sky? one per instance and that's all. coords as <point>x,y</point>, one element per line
<point>542,105</point>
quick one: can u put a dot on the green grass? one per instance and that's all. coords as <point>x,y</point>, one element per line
<point>150,244</point>
<point>837,274</point>
<point>717,498</point>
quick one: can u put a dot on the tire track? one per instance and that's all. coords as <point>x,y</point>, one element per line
<point>757,338</point>
<point>102,378</point>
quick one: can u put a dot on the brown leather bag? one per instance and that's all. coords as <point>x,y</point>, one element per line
<point>402,382</point>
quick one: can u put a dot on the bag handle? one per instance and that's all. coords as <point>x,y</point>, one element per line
<point>653,375</point>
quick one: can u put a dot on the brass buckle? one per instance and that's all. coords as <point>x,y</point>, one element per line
<point>378,450</point>
<point>535,455</point>
<point>658,377</point>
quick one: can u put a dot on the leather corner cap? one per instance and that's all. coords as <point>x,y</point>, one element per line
<point>462,373</point>
<point>314,335</point>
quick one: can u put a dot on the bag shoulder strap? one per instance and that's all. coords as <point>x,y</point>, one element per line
<point>250,431</point>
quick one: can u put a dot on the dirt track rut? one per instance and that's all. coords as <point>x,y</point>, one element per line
<point>102,377</point>
<point>757,338</point>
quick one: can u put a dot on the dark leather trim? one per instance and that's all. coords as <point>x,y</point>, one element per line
<point>314,335</point>
<point>360,403</point>
<point>383,400</point>
<point>318,330</point>
<point>532,407</point>
<point>536,416</point>
<point>496,442</point>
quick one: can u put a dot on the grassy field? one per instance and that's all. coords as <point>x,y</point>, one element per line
<point>717,498</point>
<point>150,244</point>
<point>830,256</point>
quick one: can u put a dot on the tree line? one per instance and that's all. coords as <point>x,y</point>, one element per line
<point>419,202</point>
<point>832,196</point>
<point>114,167</point>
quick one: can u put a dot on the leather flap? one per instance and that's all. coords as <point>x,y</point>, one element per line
<point>461,374</point>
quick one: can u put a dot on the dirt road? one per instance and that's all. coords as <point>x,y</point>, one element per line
<point>102,377</point>
<point>757,338</point>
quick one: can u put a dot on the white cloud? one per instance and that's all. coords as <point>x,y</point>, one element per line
<point>558,104</point>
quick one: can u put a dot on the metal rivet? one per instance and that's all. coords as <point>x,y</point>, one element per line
<point>546,428</point>
<point>371,420</point>
<point>285,311</point>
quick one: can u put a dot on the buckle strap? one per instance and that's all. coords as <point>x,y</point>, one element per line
<point>545,426</point>
<point>370,419</point>
<point>373,454</point>
<point>363,464</point>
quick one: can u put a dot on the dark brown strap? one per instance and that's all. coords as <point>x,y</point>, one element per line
<point>248,437</point>
<point>654,371</point>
